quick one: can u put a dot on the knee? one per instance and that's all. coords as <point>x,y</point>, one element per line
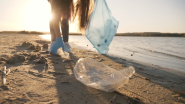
<point>55,18</point>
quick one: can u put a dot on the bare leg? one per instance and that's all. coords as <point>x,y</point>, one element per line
<point>52,32</point>
<point>56,28</point>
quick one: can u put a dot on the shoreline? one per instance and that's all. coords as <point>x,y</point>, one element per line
<point>134,34</point>
<point>179,72</point>
<point>149,84</point>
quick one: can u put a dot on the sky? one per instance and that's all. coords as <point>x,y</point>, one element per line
<point>167,16</point>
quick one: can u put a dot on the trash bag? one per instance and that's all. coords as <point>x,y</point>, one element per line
<point>99,76</point>
<point>102,27</point>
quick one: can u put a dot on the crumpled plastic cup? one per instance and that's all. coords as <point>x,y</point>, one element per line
<point>99,76</point>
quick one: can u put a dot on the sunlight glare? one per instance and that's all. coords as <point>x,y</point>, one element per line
<point>37,15</point>
<point>46,37</point>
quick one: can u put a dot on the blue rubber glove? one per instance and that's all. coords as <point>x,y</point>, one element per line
<point>57,44</point>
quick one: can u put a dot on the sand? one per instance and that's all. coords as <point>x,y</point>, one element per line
<point>38,77</point>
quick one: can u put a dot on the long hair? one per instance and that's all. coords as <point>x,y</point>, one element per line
<point>83,9</point>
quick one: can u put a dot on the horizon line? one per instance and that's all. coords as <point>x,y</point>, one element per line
<point>80,32</point>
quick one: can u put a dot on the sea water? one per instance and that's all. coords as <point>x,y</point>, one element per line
<point>167,52</point>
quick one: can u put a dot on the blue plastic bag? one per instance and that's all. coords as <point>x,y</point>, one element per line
<point>102,27</point>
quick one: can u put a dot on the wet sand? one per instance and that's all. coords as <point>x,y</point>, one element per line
<point>31,81</point>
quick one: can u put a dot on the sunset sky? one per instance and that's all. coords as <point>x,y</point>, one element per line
<point>133,15</point>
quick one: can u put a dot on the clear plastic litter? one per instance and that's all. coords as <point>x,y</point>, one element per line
<point>63,54</point>
<point>99,76</point>
<point>102,27</point>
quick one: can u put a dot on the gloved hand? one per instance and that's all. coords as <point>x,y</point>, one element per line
<point>57,44</point>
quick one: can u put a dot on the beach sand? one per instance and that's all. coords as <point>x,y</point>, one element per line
<point>31,81</point>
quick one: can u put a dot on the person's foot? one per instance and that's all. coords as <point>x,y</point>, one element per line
<point>51,44</point>
<point>57,44</point>
<point>67,47</point>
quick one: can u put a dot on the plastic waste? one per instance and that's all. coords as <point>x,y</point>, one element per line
<point>99,76</point>
<point>63,53</point>
<point>102,27</point>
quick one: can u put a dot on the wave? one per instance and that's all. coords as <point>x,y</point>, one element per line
<point>164,54</point>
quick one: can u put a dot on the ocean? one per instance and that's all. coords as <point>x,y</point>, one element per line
<point>166,52</point>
